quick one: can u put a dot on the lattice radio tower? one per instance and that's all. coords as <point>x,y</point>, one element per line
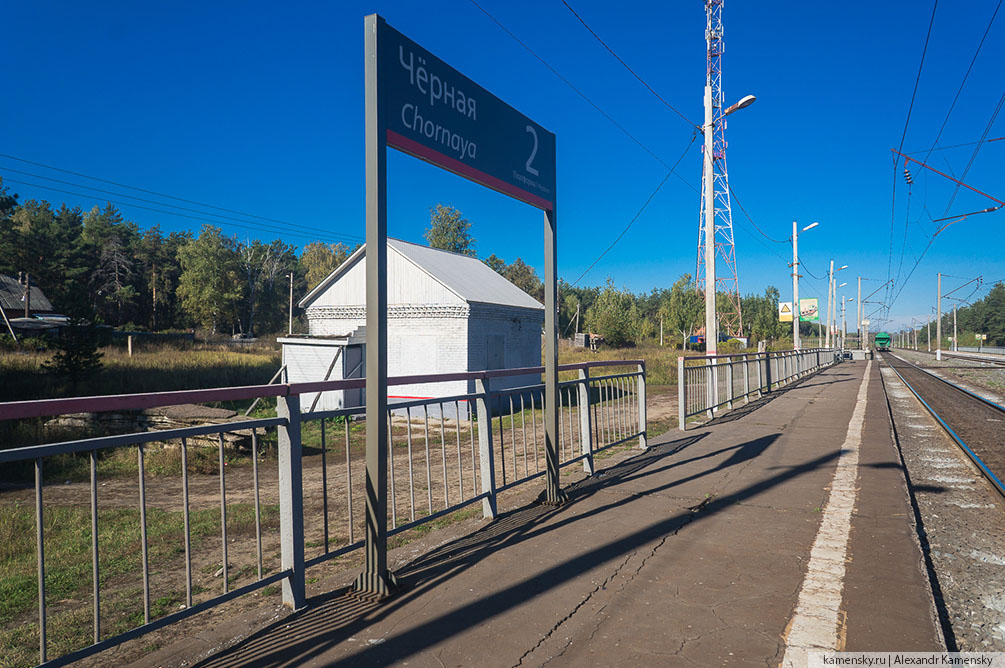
<point>726,283</point>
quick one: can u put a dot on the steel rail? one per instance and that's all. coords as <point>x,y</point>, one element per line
<point>992,478</point>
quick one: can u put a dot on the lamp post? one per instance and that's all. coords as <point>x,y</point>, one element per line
<point>844,322</point>
<point>831,306</point>
<point>711,324</point>
<point>796,311</point>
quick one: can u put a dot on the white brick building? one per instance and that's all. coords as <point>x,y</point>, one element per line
<point>446,313</point>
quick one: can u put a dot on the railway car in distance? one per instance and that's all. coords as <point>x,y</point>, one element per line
<point>882,341</point>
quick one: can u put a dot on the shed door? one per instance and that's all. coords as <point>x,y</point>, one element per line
<point>353,368</point>
<point>495,357</point>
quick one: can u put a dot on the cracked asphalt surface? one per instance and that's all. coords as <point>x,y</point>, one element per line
<point>692,552</point>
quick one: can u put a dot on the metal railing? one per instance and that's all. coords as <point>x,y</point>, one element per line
<point>989,350</point>
<point>705,385</point>
<point>444,453</point>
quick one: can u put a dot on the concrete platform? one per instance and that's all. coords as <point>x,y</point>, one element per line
<point>777,528</point>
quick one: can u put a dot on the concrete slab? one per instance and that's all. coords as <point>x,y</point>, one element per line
<point>693,552</point>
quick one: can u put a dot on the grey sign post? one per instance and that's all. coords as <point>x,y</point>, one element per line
<point>418,104</point>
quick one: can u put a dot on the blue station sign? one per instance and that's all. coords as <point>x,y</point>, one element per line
<point>437,114</point>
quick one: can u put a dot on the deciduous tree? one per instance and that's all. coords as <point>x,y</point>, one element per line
<point>449,230</point>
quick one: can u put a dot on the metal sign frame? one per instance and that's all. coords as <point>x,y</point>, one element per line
<point>418,104</point>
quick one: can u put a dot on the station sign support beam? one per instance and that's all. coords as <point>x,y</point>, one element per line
<point>420,105</point>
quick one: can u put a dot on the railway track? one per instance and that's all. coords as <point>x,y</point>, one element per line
<point>968,357</point>
<point>976,424</point>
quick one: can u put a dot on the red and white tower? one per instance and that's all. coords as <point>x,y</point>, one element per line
<point>715,185</point>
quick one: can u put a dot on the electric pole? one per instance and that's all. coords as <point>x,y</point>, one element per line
<point>858,311</point>
<point>938,321</point>
<point>290,332</point>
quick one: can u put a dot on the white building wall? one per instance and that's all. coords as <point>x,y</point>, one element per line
<point>308,361</point>
<point>520,330</point>
<point>431,330</point>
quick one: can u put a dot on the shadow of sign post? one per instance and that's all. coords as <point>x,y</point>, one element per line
<point>420,105</point>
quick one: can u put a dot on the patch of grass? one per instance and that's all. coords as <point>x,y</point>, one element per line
<point>67,533</point>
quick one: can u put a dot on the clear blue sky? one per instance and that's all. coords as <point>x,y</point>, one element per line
<point>258,107</point>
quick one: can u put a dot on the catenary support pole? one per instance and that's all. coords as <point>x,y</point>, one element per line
<point>938,320</point>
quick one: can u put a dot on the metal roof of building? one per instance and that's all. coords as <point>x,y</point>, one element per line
<point>468,277</point>
<point>11,293</point>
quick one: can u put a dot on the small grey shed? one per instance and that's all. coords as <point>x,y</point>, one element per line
<point>446,313</point>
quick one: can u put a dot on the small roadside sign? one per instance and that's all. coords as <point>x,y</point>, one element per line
<point>785,311</point>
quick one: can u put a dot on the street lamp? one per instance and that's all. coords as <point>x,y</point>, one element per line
<point>831,306</point>
<point>844,322</point>
<point>796,311</point>
<point>711,325</point>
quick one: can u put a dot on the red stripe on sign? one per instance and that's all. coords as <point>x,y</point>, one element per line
<point>423,152</point>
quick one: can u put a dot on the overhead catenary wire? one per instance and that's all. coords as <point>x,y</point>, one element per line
<point>907,122</point>
<point>963,83</point>
<point>946,148</point>
<point>626,66</point>
<point>931,239</point>
<point>977,148</point>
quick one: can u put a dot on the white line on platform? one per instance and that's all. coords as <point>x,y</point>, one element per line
<point>814,624</point>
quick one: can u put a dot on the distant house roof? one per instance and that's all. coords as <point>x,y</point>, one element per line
<point>11,293</point>
<point>469,278</point>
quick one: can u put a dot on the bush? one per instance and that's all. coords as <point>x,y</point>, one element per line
<point>77,355</point>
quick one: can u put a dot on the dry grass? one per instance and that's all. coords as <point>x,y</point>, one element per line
<point>661,362</point>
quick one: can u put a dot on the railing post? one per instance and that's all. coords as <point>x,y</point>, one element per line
<point>585,421</point>
<point>767,372</point>
<point>486,460</point>
<point>710,381</point>
<point>291,501</point>
<point>760,376</point>
<point>729,382</point>
<point>681,395</point>
<point>746,379</point>
<point>643,426</point>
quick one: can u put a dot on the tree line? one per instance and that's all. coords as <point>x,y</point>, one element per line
<point>99,266</point>
<point>619,315</point>
<point>984,316</point>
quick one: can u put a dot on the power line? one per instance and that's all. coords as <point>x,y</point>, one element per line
<point>907,121</point>
<point>633,73</point>
<point>149,192</point>
<point>946,148</point>
<point>580,93</point>
<point>731,192</point>
<point>173,206</point>
<point>246,225</point>
<point>637,213</point>
<point>977,148</point>
<point>962,83</point>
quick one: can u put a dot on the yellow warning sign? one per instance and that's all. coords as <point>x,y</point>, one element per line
<point>785,311</point>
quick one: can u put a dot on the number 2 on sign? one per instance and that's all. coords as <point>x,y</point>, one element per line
<point>533,152</point>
